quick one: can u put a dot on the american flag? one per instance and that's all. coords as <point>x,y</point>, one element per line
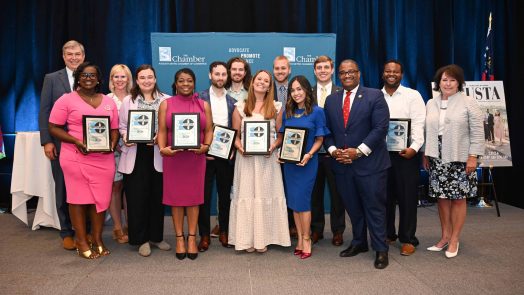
<point>2,150</point>
<point>487,71</point>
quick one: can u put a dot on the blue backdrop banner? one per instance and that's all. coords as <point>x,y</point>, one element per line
<point>173,51</point>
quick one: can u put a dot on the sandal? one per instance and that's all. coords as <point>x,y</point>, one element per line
<point>101,250</point>
<point>120,236</point>
<point>88,254</point>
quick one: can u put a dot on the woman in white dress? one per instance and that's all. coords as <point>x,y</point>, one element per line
<point>258,214</point>
<point>498,127</point>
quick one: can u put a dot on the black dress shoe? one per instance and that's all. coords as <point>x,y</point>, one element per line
<point>353,250</point>
<point>381,260</point>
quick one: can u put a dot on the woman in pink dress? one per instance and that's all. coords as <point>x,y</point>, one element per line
<point>184,170</point>
<point>88,176</point>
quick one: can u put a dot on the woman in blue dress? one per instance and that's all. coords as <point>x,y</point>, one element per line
<point>299,178</point>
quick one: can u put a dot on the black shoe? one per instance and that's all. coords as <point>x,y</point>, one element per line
<point>180,256</point>
<point>353,250</point>
<point>381,260</point>
<point>191,256</point>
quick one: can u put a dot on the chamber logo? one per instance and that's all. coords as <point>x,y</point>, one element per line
<point>164,53</point>
<point>289,52</point>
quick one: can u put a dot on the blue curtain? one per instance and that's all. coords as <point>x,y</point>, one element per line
<point>423,34</point>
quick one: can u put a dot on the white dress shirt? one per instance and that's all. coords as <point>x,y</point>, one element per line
<point>70,78</point>
<point>407,103</point>
<point>218,107</point>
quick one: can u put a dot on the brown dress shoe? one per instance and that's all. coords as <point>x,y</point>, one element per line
<point>407,249</point>
<point>338,239</point>
<point>223,240</point>
<point>293,232</point>
<point>316,236</point>
<point>69,243</point>
<point>204,243</point>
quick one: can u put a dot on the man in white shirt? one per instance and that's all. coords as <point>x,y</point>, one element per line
<point>239,78</point>
<point>323,68</point>
<point>403,175</point>
<point>222,106</point>
<point>55,85</point>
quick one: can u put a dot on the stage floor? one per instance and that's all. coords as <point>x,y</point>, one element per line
<point>490,261</point>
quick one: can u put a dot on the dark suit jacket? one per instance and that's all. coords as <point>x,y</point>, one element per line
<point>368,123</point>
<point>55,85</point>
<point>204,95</point>
<point>334,88</point>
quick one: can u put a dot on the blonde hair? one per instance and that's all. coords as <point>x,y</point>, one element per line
<point>282,57</point>
<point>73,44</point>
<point>268,108</point>
<point>127,71</point>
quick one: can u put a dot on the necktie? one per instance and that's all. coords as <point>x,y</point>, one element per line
<point>323,94</point>
<point>282,94</point>
<point>345,108</point>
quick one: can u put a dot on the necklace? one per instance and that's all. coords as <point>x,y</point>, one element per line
<point>86,97</point>
<point>299,115</point>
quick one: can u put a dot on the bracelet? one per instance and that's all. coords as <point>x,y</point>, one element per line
<point>310,155</point>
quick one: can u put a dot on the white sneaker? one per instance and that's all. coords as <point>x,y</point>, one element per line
<point>163,245</point>
<point>145,249</point>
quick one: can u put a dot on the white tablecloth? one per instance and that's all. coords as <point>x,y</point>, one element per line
<point>32,176</point>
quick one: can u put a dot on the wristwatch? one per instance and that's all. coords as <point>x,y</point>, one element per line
<point>359,153</point>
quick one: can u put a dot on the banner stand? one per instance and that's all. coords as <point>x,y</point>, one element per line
<point>487,181</point>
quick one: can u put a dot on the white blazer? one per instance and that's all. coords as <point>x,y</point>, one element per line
<point>463,129</point>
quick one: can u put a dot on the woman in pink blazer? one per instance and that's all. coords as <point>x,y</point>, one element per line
<point>141,165</point>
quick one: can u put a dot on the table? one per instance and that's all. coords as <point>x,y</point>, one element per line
<point>32,176</point>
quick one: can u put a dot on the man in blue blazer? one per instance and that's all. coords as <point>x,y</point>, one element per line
<point>222,107</point>
<point>358,118</point>
<point>55,85</point>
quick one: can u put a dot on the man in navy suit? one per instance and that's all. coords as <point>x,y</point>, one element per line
<point>55,85</point>
<point>358,118</point>
<point>222,107</point>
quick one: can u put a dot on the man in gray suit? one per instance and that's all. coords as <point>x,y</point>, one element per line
<point>55,85</point>
<point>323,68</point>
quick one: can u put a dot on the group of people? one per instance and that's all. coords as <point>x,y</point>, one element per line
<point>261,200</point>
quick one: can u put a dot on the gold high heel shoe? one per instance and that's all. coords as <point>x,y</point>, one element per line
<point>101,250</point>
<point>88,254</point>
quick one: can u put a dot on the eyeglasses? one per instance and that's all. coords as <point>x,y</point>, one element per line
<point>350,73</point>
<point>88,75</point>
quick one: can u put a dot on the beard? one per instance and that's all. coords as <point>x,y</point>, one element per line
<point>218,84</point>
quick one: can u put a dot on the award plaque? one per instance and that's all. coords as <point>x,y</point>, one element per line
<point>222,144</point>
<point>185,131</point>
<point>256,137</point>
<point>398,134</point>
<point>140,126</point>
<point>293,144</point>
<point>96,131</point>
